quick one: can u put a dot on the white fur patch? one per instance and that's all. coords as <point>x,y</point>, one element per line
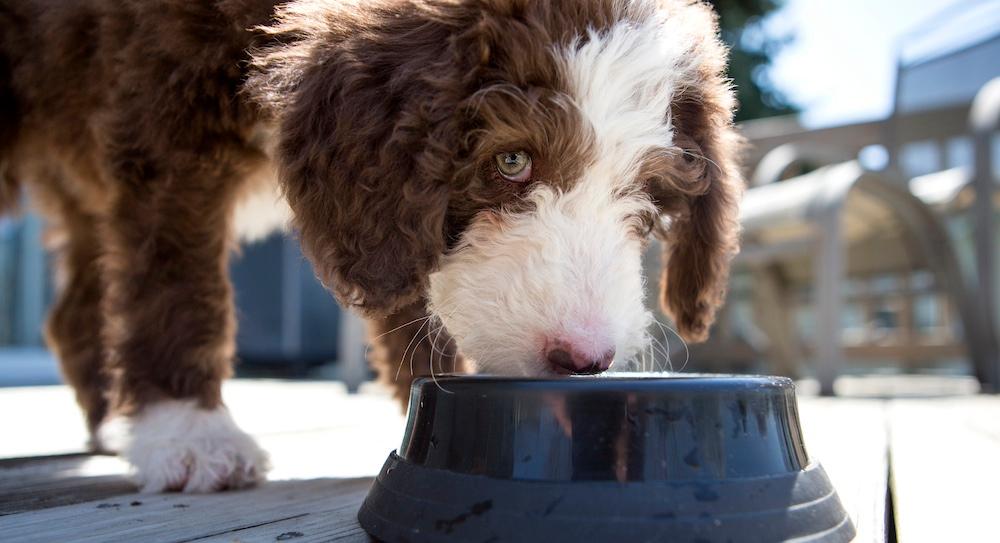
<point>567,269</point>
<point>263,209</point>
<point>623,80</point>
<point>175,445</point>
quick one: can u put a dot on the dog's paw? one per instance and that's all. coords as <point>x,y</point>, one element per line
<point>176,446</point>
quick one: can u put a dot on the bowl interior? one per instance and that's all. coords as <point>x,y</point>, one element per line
<point>623,427</point>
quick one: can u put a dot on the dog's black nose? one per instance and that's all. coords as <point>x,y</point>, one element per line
<point>565,359</point>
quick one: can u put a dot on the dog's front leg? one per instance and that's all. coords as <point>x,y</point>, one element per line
<point>169,321</point>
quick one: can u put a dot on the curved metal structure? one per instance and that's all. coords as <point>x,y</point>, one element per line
<point>984,119</point>
<point>779,162</point>
<point>821,214</point>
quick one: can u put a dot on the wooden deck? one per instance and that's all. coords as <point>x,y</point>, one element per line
<point>326,445</point>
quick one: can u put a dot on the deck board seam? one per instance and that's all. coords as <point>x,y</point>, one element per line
<point>242,528</point>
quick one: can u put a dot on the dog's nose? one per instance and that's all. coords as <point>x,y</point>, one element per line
<point>565,358</point>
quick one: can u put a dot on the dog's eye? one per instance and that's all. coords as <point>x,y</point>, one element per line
<point>514,166</point>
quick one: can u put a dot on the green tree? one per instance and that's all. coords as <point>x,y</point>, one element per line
<point>751,55</point>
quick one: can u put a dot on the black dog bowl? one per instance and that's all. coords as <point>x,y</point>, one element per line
<point>684,458</point>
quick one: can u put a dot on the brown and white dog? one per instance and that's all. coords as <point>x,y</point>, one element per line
<point>496,164</point>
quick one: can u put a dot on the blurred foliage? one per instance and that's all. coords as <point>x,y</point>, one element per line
<point>752,51</point>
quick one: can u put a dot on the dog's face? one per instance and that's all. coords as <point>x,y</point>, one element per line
<point>507,160</point>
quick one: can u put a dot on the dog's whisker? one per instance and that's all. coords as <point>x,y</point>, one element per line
<point>435,325</point>
<point>407,349</point>
<point>664,347</point>
<point>437,337</point>
<point>400,327</point>
<point>434,377</point>
<point>633,363</point>
<point>434,349</point>
<point>687,349</point>
<point>440,329</point>
<point>431,331</point>
<point>702,157</point>
<point>648,354</point>
<point>648,359</point>
<point>413,353</point>
<point>654,364</point>
<point>660,348</point>
<point>368,345</point>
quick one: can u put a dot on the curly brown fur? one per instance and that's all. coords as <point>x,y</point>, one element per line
<point>704,236</point>
<point>395,110</point>
<point>140,126</point>
<point>132,131</point>
<point>73,328</point>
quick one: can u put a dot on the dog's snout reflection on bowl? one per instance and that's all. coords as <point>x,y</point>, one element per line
<point>601,445</point>
<point>619,438</point>
<point>603,448</point>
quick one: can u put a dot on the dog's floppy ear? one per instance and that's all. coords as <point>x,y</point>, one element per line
<point>362,107</point>
<point>702,236</point>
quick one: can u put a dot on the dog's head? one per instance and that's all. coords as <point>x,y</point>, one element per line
<point>507,160</point>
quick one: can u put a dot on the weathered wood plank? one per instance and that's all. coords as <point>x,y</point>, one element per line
<point>182,518</point>
<point>944,468</point>
<point>849,438</point>
<point>39,483</point>
<point>334,524</point>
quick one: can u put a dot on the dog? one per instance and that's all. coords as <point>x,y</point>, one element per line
<point>497,166</point>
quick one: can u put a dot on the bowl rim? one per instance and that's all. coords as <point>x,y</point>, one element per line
<point>620,381</point>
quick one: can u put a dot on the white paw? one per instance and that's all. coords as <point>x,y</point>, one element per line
<point>175,445</point>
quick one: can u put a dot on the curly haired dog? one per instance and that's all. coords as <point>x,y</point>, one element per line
<point>498,164</point>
